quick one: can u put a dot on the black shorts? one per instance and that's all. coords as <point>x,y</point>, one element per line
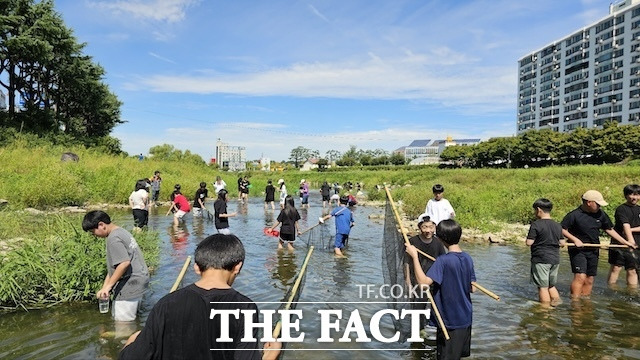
<point>622,257</point>
<point>325,197</point>
<point>584,261</point>
<point>458,345</point>
<point>287,237</point>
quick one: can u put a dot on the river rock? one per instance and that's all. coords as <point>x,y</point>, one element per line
<point>33,211</point>
<point>73,209</point>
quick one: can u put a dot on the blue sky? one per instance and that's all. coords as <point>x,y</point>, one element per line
<point>274,75</point>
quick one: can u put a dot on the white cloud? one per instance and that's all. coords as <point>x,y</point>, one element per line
<point>318,13</point>
<point>443,76</point>
<point>170,11</point>
<point>161,58</point>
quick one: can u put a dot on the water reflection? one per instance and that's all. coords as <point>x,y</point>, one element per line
<point>179,236</point>
<point>286,268</point>
<point>342,277</point>
<point>540,327</point>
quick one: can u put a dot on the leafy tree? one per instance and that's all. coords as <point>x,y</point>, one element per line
<point>333,155</point>
<point>322,164</point>
<point>397,159</point>
<point>168,152</point>
<point>299,154</point>
<point>42,63</point>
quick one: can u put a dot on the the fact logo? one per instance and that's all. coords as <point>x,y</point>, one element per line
<point>329,321</point>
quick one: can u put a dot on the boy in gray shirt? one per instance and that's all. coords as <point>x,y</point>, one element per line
<point>127,273</point>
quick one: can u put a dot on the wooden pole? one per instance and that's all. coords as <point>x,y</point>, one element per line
<point>181,275</point>
<point>320,223</point>
<point>406,242</point>
<point>482,289</point>
<point>294,290</point>
<point>604,246</point>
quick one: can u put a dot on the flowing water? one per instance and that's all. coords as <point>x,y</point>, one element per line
<point>605,327</point>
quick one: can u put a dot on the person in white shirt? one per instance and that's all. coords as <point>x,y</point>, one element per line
<point>139,202</point>
<point>439,208</point>
<point>219,184</point>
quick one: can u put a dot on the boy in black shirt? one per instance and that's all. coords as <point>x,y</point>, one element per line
<point>545,238</point>
<point>628,226</point>
<point>581,226</point>
<point>198,202</point>
<point>179,327</point>
<point>427,242</point>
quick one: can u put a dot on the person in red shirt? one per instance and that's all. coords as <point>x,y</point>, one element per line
<point>180,204</point>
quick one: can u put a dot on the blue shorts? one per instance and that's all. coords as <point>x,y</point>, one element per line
<point>305,198</point>
<point>341,239</point>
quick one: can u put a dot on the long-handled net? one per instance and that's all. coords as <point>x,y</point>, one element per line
<point>317,236</point>
<point>393,266</point>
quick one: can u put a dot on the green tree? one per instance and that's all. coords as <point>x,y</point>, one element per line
<point>168,152</point>
<point>41,62</point>
<point>298,155</point>
<point>397,159</point>
<point>333,155</point>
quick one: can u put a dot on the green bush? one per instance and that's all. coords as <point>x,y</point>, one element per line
<point>48,259</point>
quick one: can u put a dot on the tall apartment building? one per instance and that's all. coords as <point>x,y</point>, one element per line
<point>232,157</point>
<point>585,79</point>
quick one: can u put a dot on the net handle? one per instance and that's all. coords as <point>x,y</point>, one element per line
<point>320,223</point>
<point>406,242</point>
<point>181,275</point>
<point>477,286</point>
<point>294,290</point>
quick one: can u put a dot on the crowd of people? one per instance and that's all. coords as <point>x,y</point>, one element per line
<point>218,260</point>
<point>449,277</point>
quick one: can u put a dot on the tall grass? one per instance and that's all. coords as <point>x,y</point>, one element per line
<point>33,176</point>
<point>48,259</point>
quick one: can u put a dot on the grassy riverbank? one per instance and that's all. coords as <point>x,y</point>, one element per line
<point>35,177</point>
<point>48,259</point>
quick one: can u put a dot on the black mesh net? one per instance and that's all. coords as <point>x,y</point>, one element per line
<point>393,271</point>
<point>317,236</point>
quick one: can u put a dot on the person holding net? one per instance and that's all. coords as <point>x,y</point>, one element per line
<point>451,276</point>
<point>344,223</point>
<point>288,218</point>
<point>427,242</point>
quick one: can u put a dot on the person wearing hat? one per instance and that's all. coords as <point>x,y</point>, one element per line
<point>282,188</point>
<point>582,226</point>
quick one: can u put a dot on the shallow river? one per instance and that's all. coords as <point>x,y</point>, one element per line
<point>605,327</point>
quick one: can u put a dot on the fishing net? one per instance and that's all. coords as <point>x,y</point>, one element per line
<point>393,271</point>
<point>317,236</point>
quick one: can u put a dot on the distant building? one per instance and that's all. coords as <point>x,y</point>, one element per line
<point>421,152</point>
<point>399,150</point>
<point>585,78</point>
<point>232,157</point>
<point>309,165</point>
<point>3,101</point>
